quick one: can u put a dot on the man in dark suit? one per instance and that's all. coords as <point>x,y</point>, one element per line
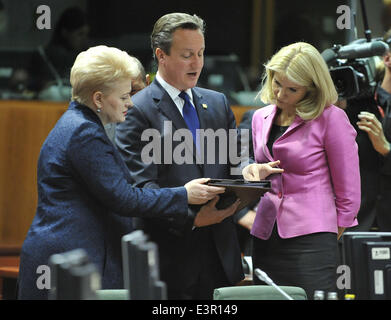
<point>193,261</point>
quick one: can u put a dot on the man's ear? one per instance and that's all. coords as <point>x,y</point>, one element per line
<point>387,59</point>
<point>148,79</point>
<point>97,99</point>
<point>160,55</point>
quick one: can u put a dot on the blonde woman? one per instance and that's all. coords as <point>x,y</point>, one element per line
<point>318,194</point>
<point>85,196</point>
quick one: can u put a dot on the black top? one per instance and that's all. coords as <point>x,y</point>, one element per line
<point>276,132</point>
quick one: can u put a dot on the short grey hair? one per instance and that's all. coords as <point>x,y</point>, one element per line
<point>163,29</point>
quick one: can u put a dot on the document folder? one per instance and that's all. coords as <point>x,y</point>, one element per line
<point>249,192</point>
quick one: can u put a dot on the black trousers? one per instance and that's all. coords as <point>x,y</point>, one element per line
<point>201,270</point>
<point>308,261</point>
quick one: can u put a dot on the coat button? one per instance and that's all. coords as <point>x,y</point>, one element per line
<point>280,195</point>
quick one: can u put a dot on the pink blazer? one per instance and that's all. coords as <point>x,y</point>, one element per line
<point>320,187</point>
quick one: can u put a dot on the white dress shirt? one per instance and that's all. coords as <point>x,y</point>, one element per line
<point>174,93</point>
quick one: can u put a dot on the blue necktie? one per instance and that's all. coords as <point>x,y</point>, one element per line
<point>190,116</point>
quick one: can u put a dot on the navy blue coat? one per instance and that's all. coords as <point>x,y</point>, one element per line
<point>85,200</point>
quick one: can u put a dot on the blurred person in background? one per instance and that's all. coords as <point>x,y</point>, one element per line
<point>51,64</point>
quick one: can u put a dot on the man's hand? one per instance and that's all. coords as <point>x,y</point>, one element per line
<point>259,171</point>
<point>369,123</point>
<point>209,215</point>
<point>199,193</point>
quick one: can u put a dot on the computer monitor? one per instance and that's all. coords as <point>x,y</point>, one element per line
<point>141,268</point>
<point>73,276</point>
<point>368,256</point>
<point>130,271</point>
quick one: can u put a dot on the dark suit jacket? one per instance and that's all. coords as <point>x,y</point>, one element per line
<point>85,200</point>
<point>152,107</point>
<point>246,123</point>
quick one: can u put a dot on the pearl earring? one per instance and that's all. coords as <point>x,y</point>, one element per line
<point>98,110</point>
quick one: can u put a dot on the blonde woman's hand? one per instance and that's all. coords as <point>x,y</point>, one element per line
<point>340,232</point>
<point>198,192</point>
<point>259,171</point>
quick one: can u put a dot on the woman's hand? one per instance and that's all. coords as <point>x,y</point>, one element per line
<point>259,171</point>
<point>340,232</point>
<point>199,193</point>
<point>369,123</point>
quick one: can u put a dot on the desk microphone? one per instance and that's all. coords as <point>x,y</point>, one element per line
<point>265,278</point>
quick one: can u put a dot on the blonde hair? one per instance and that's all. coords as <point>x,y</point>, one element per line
<point>301,63</point>
<point>99,69</point>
